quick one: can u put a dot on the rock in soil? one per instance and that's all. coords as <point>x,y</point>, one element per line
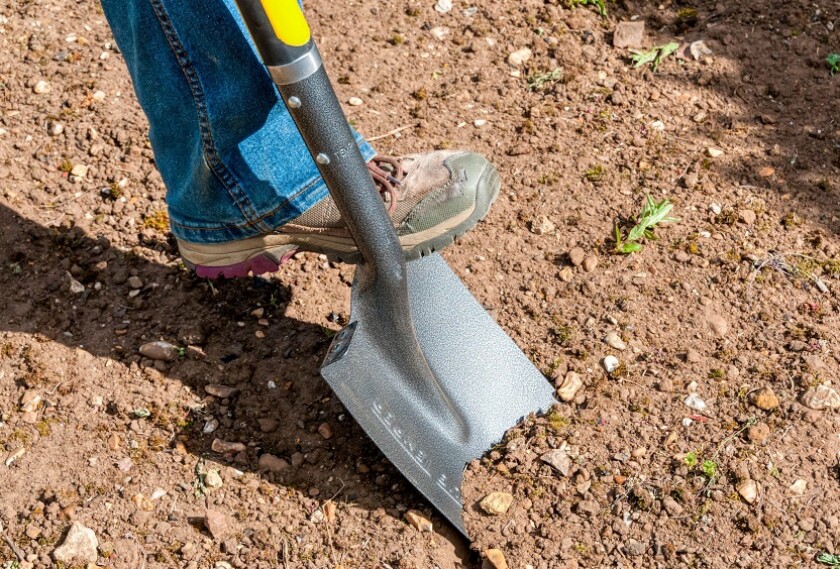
<point>615,341</point>
<point>629,35</point>
<point>758,433</point>
<point>80,546</point>
<point>821,397</point>
<point>419,521</point>
<point>273,464</point>
<point>559,459</point>
<point>495,559</point>
<point>221,391</point>
<point>161,351</point>
<point>765,399</point>
<point>496,503</point>
<point>748,489</point>
<point>217,524</point>
<point>568,390</point>
<point>576,256</point>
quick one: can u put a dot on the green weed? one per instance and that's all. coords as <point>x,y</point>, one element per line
<point>653,213</point>
<point>595,174</point>
<point>833,561</point>
<point>600,5</point>
<point>538,81</point>
<point>709,468</point>
<point>691,459</point>
<point>833,61</point>
<point>654,55</point>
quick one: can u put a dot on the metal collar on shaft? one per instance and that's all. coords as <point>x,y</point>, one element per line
<point>297,70</point>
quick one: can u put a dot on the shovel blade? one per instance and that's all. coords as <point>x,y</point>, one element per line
<point>485,382</point>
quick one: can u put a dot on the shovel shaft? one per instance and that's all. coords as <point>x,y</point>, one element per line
<point>303,83</point>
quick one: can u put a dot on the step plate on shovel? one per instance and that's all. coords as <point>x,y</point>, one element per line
<point>487,382</point>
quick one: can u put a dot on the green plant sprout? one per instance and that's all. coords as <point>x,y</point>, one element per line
<point>690,459</point>
<point>538,81</point>
<point>833,561</point>
<point>600,5</point>
<point>653,213</point>
<point>654,55</point>
<point>833,61</point>
<point>710,469</point>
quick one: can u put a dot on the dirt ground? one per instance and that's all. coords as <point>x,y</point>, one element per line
<point>714,443</point>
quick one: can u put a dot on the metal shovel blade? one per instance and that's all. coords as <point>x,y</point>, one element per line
<point>483,384</point>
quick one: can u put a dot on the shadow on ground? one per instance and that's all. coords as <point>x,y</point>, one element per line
<point>282,402</point>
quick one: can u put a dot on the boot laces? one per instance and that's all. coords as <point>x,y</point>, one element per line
<point>387,173</point>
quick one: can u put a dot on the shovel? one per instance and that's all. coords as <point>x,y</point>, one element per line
<point>422,367</point>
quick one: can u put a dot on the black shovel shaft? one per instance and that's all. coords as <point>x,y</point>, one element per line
<point>311,100</point>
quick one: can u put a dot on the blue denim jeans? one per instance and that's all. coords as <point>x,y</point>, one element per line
<point>229,153</point>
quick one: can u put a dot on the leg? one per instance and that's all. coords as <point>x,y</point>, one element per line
<point>229,153</point>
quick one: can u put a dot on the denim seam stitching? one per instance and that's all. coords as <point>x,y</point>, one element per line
<point>211,156</point>
<point>260,219</point>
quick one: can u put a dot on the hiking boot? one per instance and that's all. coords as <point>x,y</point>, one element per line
<point>431,198</point>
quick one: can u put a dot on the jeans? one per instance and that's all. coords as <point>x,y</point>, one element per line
<point>227,149</point>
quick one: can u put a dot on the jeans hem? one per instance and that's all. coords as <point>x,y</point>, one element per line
<point>314,191</point>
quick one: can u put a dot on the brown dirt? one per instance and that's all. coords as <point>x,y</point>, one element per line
<point>709,303</point>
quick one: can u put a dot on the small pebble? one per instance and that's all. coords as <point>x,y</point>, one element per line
<point>576,256</point>
<point>496,503</point>
<point>542,226</point>
<point>714,152</point>
<point>765,399</point>
<point>419,521</point>
<point>748,489</point>
<point>41,88</point>
<point>443,6</point>
<point>718,325</point>
<point>221,391</point>
<point>693,401</point>
<point>217,524</point>
<point>79,546</point>
<point>821,397</point>
<point>519,57</point>
<point>590,263</point>
<point>569,388</point>
<point>273,464</point>
<point>325,430</point>
<point>615,341</point>
<point>224,447</point>
<point>610,363</point>
<point>798,488</point>
<point>496,559</point>
<point>160,351</point>
<point>355,101</point>
<point>758,433</point>
<point>212,479</point>
<point>559,459</point>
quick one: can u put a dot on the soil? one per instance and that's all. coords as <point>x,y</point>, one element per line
<point>733,309</point>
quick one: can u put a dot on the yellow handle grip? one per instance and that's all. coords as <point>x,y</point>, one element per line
<point>288,21</point>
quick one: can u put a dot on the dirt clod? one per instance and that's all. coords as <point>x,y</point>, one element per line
<point>765,399</point>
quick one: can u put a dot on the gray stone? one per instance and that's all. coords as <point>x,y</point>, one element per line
<point>160,351</point>
<point>635,548</point>
<point>559,459</point>
<point>80,546</point>
<point>629,34</point>
<point>821,397</point>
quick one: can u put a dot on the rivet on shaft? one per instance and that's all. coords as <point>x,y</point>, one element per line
<point>294,102</point>
<point>322,159</point>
